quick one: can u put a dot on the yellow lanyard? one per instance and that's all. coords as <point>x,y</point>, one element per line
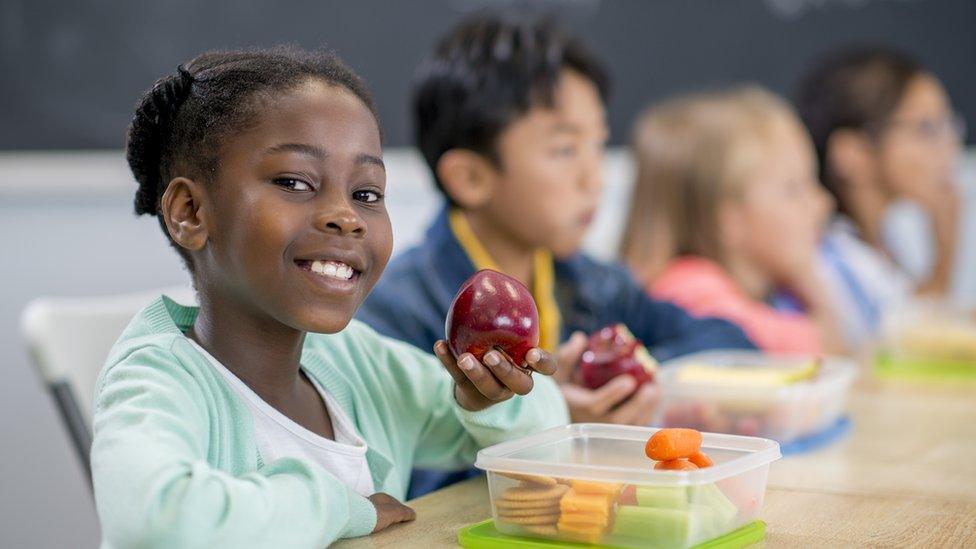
<point>543,278</point>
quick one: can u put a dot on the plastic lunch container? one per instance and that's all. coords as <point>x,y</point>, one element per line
<point>928,339</point>
<point>767,404</point>
<point>592,483</point>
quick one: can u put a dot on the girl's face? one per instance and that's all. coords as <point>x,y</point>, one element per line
<point>296,222</point>
<point>917,146</point>
<point>777,220</point>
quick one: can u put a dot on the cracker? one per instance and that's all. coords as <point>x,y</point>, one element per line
<point>507,504</point>
<point>549,519</point>
<point>524,493</point>
<point>528,512</point>
<point>530,479</point>
<point>541,529</point>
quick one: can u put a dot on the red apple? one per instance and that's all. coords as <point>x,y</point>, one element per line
<point>614,351</point>
<point>493,310</point>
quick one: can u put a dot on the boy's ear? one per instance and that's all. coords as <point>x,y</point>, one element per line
<point>850,156</point>
<point>182,209</point>
<point>468,178</point>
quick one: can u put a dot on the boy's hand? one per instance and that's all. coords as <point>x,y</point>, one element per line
<point>389,511</point>
<point>612,403</point>
<point>479,385</point>
<point>568,357</point>
<point>615,402</point>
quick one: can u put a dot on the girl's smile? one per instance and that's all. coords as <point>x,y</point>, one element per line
<point>334,275</point>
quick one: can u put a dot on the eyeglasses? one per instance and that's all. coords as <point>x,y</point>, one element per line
<point>952,127</point>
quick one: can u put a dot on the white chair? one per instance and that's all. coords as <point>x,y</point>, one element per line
<point>69,340</point>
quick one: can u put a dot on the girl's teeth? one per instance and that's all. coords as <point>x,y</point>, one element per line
<point>335,269</point>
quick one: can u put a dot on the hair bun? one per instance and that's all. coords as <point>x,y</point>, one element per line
<point>149,133</point>
<point>170,93</point>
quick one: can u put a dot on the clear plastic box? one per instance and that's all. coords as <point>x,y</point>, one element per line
<point>592,483</point>
<point>928,339</point>
<point>754,405</point>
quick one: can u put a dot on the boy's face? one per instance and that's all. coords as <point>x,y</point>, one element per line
<point>549,179</point>
<point>297,207</point>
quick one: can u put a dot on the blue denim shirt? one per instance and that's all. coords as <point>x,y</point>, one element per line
<point>411,300</point>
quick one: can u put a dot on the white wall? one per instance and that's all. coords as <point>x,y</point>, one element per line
<point>66,228</point>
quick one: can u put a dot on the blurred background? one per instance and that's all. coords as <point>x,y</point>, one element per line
<point>72,72</point>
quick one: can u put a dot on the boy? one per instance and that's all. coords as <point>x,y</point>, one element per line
<point>510,117</point>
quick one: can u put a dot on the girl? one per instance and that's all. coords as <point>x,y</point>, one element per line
<point>726,211</point>
<point>884,132</point>
<point>266,417</point>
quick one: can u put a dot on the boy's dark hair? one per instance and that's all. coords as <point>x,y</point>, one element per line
<point>180,123</point>
<point>487,72</point>
<point>853,88</point>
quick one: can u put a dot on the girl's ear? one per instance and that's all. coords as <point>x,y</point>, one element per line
<point>468,178</point>
<point>183,212</point>
<point>850,157</point>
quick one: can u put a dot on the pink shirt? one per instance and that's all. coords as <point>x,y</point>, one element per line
<point>703,288</point>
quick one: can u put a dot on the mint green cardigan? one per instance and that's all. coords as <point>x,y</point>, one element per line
<point>174,462</point>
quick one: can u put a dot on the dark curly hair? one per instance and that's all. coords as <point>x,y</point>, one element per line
<point>486,73</point>
<point>851,88</point>
<point>180,123</point>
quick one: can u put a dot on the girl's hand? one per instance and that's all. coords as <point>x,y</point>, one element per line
<point>479,385</point>
<point>389,511</point>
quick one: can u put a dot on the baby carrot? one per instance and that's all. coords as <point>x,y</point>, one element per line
<point>701,459</point>
<point>675,465</point>
<point>669,444</point>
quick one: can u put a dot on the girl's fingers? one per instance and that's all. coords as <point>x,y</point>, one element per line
<point>482,378</point>
<point>444,354</point>
<point>541,361</point>
<point>515,379</point>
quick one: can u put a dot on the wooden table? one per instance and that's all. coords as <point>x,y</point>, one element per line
<point>905,476</point>
<point>906,440</point>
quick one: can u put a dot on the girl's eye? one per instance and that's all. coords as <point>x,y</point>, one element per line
<point>293,184</point>
<point>367,196</point>
<point>567,151</point>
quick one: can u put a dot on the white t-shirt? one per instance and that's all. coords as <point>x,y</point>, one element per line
<point>865,284</point>
<point>277,436</point>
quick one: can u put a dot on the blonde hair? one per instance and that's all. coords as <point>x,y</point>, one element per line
<point>692,154</point>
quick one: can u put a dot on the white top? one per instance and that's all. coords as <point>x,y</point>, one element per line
<point>864,283</point>
<point>277,436</point>
<point>907,233</point>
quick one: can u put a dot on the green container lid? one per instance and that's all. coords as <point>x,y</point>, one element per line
<point>483,535</point>
<point>903,367</point>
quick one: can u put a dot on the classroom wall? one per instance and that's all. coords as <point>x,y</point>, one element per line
<point>73,70</point>
<point>66,229</point>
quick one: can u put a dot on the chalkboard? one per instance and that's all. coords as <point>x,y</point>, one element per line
<point>71,71</point>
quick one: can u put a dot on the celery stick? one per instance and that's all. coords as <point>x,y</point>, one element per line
<point>668,527</point>
<point>663,497</point>
<point>712,496</point>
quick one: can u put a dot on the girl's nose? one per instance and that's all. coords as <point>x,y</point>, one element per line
<point>340,219</point>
